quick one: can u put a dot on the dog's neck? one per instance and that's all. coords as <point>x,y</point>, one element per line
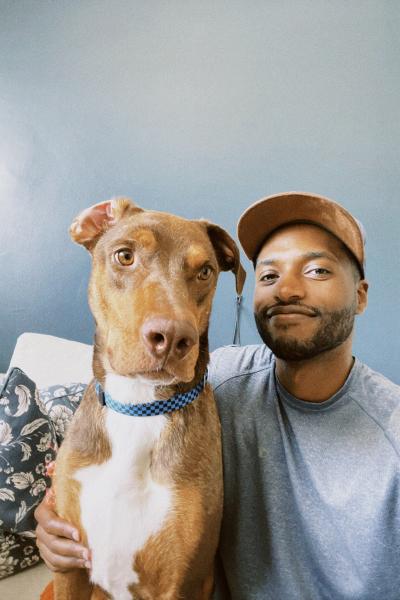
<point>131,390</point>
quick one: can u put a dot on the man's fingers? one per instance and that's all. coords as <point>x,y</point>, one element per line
<point>56,526</point>
<point>50,522</point>
<point>56,562</point>
<point>60,545</point>
<point>57,540</point>
<point>61,554</point>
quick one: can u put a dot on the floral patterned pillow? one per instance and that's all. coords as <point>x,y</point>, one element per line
<point>27,444</point>
<point>61,402</point>
<point>32,426</point>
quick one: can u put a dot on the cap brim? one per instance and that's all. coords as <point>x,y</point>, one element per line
<point>268,214</point>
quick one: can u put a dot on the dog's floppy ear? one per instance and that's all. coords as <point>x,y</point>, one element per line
<point>91,223</point>
<point>227,252</point>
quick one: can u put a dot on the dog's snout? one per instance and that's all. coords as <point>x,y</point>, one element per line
<point>166,337</point>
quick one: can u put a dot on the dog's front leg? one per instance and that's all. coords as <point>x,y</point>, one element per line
<point>99,594</point>
<point>74,585</point>
<point>207,587</point>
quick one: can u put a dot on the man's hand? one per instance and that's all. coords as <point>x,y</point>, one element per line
<point>58,540</point>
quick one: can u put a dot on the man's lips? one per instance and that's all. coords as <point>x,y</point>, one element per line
<point>291,309</point>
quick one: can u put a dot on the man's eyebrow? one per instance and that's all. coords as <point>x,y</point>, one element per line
<point>265,261</point>
<point>321,254</point>
<point>306,256</point>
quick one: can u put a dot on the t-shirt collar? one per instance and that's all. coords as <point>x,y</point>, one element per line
<point>288,398</point>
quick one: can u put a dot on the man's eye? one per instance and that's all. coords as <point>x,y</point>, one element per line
<point>319,271</point>
<point>268,277</point>
<point>124,257</point>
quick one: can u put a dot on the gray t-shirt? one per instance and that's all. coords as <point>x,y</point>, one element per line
<point>312,491</point>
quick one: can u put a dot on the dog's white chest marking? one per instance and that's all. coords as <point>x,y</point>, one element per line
<point>121,506</point>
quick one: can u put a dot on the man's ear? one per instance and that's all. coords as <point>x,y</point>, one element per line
<point>90,224</point>
<point>227,253</point>
<point>362,296</point>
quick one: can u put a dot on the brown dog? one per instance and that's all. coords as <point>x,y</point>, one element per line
<point>146,491</point>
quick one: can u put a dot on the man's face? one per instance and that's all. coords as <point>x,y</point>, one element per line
<point>306,293</point>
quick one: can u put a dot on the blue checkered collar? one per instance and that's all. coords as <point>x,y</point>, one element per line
<point>157,407</point>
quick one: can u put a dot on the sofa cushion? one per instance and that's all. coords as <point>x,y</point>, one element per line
<point>17,552</point>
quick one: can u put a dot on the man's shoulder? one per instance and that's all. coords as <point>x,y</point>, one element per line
<point>233,362</point>
<point>379,398</point>
<point>376,386</point>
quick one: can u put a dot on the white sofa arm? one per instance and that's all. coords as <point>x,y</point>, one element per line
<point>49,360</point>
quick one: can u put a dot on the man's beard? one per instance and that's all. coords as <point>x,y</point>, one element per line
<point>335,327</point>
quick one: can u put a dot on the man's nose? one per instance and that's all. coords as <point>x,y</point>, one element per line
<point>290,287</point>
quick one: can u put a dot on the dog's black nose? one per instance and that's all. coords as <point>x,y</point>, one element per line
<point>163,337</point>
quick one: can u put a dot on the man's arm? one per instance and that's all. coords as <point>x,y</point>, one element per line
<point>58,540</point>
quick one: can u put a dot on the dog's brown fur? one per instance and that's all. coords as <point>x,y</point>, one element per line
<point>170,277</point>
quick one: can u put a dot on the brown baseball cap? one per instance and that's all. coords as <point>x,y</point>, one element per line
<point>263,217</point>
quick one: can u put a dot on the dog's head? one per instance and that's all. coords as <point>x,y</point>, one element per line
<point>151,288</point>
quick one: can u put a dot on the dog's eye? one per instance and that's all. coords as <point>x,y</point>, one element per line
<point>124,257</point>
<point>205,272</point>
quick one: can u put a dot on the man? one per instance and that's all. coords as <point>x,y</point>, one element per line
<point>311,436</point>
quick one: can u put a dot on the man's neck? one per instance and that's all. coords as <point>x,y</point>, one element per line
<point>318,378</point>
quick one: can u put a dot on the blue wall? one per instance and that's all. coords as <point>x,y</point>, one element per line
<point>199,108</point>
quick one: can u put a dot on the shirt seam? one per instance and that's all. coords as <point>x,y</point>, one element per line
<point>378,424</point>
<point>241,375</point>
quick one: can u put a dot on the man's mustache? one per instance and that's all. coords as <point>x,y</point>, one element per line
<point>288,308</point>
